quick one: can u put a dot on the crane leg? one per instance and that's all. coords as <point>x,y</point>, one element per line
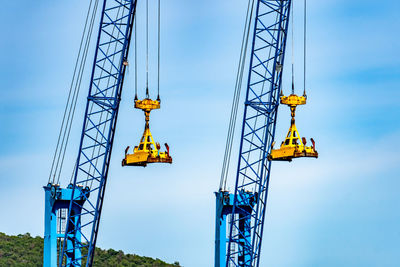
<point>56,210</point>
<point>224,211</point>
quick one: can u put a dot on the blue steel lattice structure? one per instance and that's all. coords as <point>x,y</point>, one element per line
<point>56,204</point>
<point>224,207</point>
<point>260,113</point>
<point>90,176</point>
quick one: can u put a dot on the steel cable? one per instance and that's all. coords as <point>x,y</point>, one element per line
<point>78,84</point>
<point>305,45</point>
<point>147,48</point>
<point>68,106</point>
<point>292,51</point>
<point>236,96</point>
<point>136,72</point>
<point>159,49</point>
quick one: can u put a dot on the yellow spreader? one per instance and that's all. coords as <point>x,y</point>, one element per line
<point>148,151</point>
<point>293,146</point>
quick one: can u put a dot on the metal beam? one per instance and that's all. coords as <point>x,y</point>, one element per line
<point>98,128</point>
<point>258,131</point>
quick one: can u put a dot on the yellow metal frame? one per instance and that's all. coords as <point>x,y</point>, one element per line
<point>293,146</point>
<point>147,151</point>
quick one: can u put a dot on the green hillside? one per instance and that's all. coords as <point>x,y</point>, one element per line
<point>24,250</point>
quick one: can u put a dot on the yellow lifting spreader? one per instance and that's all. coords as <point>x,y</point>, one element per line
<point>148,151</point>
<point>293,146</point>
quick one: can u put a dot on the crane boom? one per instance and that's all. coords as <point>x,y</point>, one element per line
<point>90,175</point>
<point>260,112</point>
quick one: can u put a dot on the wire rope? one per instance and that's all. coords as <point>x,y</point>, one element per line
<point>292,51</point>
<point>236,96</point>
<point>147,48</point>
<point>159,49</point>
<point>136,76</point>
<point>305,46</point>
<point>69,104</point>
<point>78,86</point>
<point>62,128</point>
<point>79,82</point>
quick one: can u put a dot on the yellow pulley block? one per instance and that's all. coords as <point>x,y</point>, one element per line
<point>293,146</point>
<point>147,151</point>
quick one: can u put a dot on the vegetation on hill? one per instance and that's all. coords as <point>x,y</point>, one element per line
<point>26,251</point>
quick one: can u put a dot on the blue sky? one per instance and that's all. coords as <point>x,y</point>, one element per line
<point>339,210</point>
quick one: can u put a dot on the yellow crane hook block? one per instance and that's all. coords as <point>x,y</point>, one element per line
<point>293,146</point>
<point>147,151</point>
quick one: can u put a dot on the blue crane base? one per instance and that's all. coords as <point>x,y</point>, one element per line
<point>224,207</point>
<point>56,199</point>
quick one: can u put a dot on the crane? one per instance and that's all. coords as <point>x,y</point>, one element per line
<point>240,215</point>
<point>72,214</point>
<point>98,132</point>
<point>82,200</point>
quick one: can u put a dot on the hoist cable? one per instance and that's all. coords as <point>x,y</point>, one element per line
<point>63,124</point>
<point>240,86</point>
<point>159,48</point>
<point>135,37</point>
<point>78,84</point>
<point>147,48</point>
<point>305,45</point>
<point>292,52</point>
<point>63,128</point>
<point>236,96</point>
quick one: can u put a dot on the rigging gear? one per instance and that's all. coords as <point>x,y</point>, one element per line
<point>148,151</point>
<point>293,146</point>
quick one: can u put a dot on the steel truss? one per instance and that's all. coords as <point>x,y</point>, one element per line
<point>260,113</point>
<point>98,131</point>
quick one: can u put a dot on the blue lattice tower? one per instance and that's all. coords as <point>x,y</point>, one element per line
<point>258,131</point>
<point>97,137</point>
